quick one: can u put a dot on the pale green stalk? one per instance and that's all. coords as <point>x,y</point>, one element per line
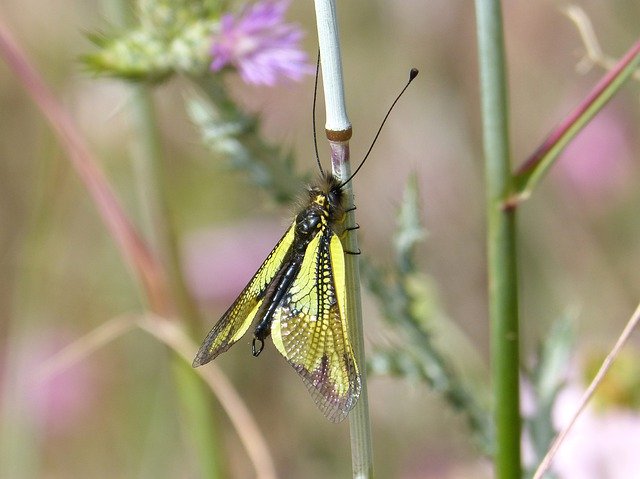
<point>151,183</point>
<point>501,241</point>
<point>151,179</point>
<point>338,128</point>
<point>194,395</point>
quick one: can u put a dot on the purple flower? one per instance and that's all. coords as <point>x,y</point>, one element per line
<point>260,45</point>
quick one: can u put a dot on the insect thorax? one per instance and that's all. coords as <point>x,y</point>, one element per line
<point>327,195</point>
<point>322,211</point>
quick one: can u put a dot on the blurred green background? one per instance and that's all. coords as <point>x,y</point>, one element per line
<point>117,415</point>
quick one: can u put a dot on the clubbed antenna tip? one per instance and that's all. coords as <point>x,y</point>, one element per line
<point>412,75</point>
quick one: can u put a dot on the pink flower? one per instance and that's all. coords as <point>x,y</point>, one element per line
<point>56,403</point>
<point>597,163</point>
<point>260,45</point>
<point>601,444</point>
<point>219,263</point>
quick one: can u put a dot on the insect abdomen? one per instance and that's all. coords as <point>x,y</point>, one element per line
<point>279,287</point>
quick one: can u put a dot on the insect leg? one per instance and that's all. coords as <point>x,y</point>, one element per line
<point>354,253</point>
<point>256,351</point>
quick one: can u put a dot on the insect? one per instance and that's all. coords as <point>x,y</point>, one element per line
<point>298,297</point>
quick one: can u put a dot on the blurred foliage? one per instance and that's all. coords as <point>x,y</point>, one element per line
<point>234,135</point>
<point>621,386</point>
<point>546,378</point>
<point>408,304</point>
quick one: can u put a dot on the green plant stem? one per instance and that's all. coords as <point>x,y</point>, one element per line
<point>338,129</point>
<point>157,219</point>
<point>194,396</point>
<point>359,422</point>
<point>501,241</point>
<point>160,231</point>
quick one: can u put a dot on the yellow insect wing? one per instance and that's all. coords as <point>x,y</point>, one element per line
<point>276,334</point>
<point>343,375</point>
<point>236,320</point>
<point>310,328</point>
<point>338,269</point>
<point>300,293</point>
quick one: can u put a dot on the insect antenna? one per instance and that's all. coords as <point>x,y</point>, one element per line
<point>412,75</point>
<point>313,115</point>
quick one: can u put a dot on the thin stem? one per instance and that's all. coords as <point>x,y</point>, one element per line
<point>501,240</point>
<point>631,326</point>
<point>359,423</point>
<point>331,64</point>
<point>338,128</point>
<point>173,335</point>
<point>152,189</point>
<point>151,179</point>
<point>133,248</point>
<point>235,407</point>
<point>529,174</point>
<point>594,54</point>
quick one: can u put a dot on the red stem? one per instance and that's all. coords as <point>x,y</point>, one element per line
<point>561,129</point>
<point>135,251</point>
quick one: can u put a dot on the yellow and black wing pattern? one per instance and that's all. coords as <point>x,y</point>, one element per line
<point>310,328</point>
<point>236,321</point>
<point>298,296</point>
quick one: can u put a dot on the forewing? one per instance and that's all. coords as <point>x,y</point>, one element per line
<point>235,322</point>
<point>310,328</point>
